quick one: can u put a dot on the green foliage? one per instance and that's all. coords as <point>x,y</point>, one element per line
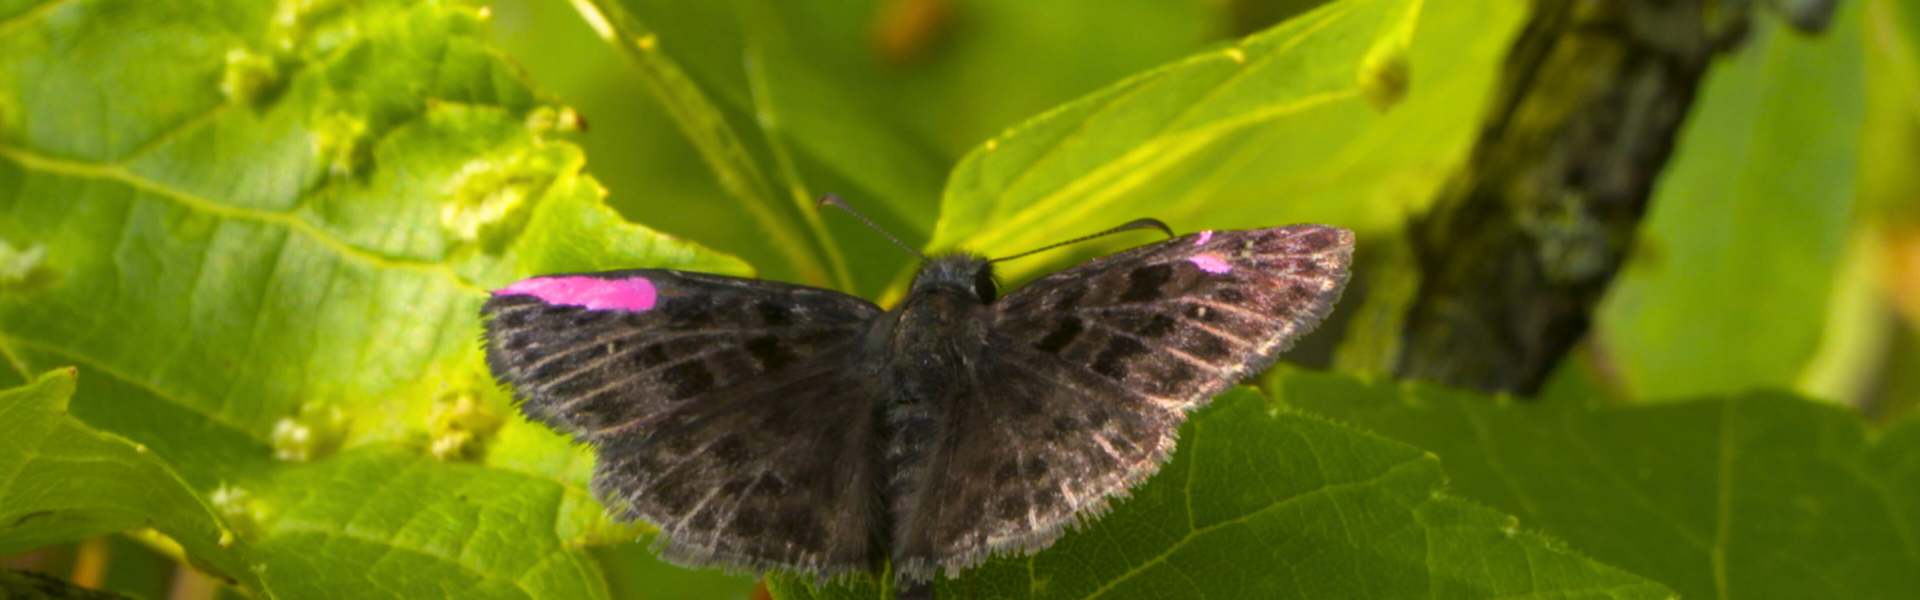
<point>36,586</point>
<point>388,522</point>
<point>65,481</point>
<point>1749,222</point>
<point>1267,503</point>
<point>252,282</point>
<point>1299,123</point>
<point>1758,495</point>
<point>261,231</point>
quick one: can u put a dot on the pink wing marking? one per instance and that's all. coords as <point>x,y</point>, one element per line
<point>634,294</point>
<point>1210,263</point>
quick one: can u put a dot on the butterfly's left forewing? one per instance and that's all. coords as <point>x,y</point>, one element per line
<point>727,412</point>
<point>591,352</point>
<point>1090,371</point>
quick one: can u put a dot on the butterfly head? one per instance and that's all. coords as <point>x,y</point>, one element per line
<point>961,274</point>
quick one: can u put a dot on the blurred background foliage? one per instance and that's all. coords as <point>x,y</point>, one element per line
<point>1782,250</point>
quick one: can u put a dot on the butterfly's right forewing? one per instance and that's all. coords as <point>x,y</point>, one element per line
<point>1090,371</point>
<point>727,412</point>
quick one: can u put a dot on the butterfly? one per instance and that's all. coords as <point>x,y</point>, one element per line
<point>765,425</point>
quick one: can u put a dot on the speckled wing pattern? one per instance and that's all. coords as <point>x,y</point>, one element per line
<point>724,410</point>
<point>750,420</point>
<point>1090,371</point>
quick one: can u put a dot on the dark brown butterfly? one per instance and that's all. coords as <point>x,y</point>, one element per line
<point>767,425</point>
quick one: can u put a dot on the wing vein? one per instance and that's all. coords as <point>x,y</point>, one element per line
<point>1155,344</point>
<point>1184,320</point>
<point>1230,308</point>
<point>1167,403</point>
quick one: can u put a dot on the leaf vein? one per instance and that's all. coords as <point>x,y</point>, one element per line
<point>286,220</point>
<point>392,548</point>
<point>1723,517</point>
<point>1572,435</point>
<point>1322,490</point>
<point>1484,439</point>
<point>143,385</point>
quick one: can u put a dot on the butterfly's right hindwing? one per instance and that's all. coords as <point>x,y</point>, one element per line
<point>720,407</point>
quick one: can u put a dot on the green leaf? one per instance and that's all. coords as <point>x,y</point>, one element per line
<point>1266,503</point>
<point>892,118</point>
<point>634,571</point>
<point>62,481</point>
<point>1283,126</point>
<point>251,262</point>
<point>740,173</point>
<point>267,240</point>
<point>1730,288</point>
<point>1761,495</point>
<point>1891,140</point>
<point>387,523</point>
<point>1890,193</point>
<point>833,109</point>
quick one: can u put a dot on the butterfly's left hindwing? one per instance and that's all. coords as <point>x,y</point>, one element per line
<point>720,407</point>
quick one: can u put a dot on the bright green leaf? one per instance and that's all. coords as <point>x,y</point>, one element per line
<point>279,249</point>
<point>1069,163</point>
<point>1266,503</point>
<point>1740,251</point>
<point>326,244</point>
<point>1275,128</point>
<point>389,523</point>
<point>1891,140</point>
<point>776,213</point>
<point>1763,495</point>
<point>821,107</point>
<point>62,481</point>
<point>891,121</point>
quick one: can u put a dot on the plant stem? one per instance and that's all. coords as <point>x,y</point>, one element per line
<point>707,129</point>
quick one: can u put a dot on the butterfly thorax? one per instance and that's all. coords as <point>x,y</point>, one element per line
<point>931,338</point>
<point>930,342</point>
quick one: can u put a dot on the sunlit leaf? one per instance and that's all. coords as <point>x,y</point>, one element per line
<point>1293,112</point>
<point>274,254</point>
<point>1730,285</point>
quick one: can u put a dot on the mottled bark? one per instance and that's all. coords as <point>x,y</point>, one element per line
<point>1522,243</point>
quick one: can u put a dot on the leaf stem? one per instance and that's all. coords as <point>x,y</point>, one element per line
<point>705,127</point>
<point>803,200</point>
<point>13,359</point>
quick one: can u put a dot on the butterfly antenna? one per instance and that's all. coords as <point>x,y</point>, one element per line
<point>1131,225</point>
<point>835,201</point>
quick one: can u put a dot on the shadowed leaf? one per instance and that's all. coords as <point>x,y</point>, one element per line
<point>1761,495</point>
<point>62,481</point>
<point>1266,503</point>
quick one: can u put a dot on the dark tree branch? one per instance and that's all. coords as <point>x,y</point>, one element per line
<point>1521,245</point>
